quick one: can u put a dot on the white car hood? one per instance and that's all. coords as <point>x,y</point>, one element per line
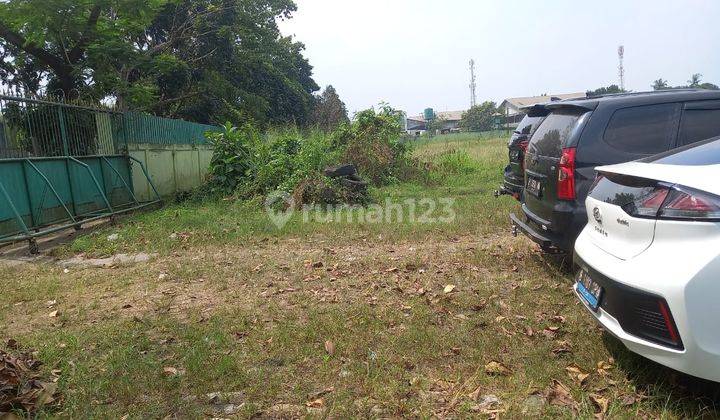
<point>702,177</point>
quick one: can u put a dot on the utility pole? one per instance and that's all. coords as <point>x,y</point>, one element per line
<point>621,69</point>
<point>473,98</point>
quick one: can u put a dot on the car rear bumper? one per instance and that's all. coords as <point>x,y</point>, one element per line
<point>646,275</point>
<point>512,184</point>
<point>558,234</point>
<point>526,230</point>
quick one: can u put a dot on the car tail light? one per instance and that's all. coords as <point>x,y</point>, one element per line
<point>648,204</point>
<point>675,203</point>
<point>684,203</point>
<point>566,175</point>
<point>523,145</point>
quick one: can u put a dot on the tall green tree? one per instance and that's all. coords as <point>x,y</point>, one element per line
<point>52,39</point>
<point>329,111</point>
<point>605,90</point>
<point>204,60</point>
<point>660,84</point>
<point>695,80</point>
<point>480,117</point>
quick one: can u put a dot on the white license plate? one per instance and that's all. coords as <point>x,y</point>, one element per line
<point>534,186</point>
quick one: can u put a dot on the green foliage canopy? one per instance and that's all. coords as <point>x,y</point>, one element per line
<point>208,61</point>
<point>695,81</point>
<point>329,111</point>
<point>605,90</point>
<point>480,117</point>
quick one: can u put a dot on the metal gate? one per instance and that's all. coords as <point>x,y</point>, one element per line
<point>61,165</point>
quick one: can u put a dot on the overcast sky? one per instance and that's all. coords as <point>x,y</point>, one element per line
<point>414,54</point>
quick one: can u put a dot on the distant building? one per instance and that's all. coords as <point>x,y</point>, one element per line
<point>415,125</point>
<point>450,122</point>
<point>512,106</point>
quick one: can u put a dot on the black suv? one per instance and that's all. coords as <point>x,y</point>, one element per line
<point>514,174</point>
<point>579,135</point>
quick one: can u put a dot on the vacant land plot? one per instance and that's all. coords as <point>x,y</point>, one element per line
<point>332,318</point>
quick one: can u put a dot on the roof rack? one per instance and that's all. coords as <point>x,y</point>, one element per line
<point>648,92</point>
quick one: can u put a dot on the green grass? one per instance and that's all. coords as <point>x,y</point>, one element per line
<point>237,305</point>
<point>465,171</point>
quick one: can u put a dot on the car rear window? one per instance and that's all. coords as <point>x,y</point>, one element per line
<point>699,124</point>
<point>643,129</point>
<point>701,153</point>
<point>553,133</point>
<point>622,191</point>
<point>527,124</point>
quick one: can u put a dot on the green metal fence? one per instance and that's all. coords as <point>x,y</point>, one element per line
<point>62,165</point>
<point>144,128</point>
<point>31,127</point>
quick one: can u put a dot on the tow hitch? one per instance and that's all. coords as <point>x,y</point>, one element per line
<point>502,191</point>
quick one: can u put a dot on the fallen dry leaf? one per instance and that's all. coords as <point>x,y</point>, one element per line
<point>631,399</point>
<point>497,368</point>
<point>22,388</point>
<point>317,403</point>
<point>603,367</point>
<point>576,373</point>
<point>449,288</point>
<point>600,402</point>
<point>170,371</point>
<point>550,332</point>
<point>53,314</point>
<point>559,395</point>
<point>329,347</point>
<point>475,394</point>
<point>563,347</point>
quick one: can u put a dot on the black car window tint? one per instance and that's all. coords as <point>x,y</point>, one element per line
<point>525,125</point>
<point>552,135</point>
<point>698,124</point>
<point>702,153</point>
<point>643,129</point>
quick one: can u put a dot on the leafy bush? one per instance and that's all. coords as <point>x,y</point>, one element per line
<point>233,160</point>
<point>372,143</point>
<point>246,163</point>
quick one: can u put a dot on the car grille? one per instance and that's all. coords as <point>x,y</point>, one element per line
<point>639,313</point>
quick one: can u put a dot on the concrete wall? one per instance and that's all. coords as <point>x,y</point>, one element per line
<point>172,168</point>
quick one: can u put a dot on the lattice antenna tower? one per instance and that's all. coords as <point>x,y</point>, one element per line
<point>473,98</point>
<point>621,69</point>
